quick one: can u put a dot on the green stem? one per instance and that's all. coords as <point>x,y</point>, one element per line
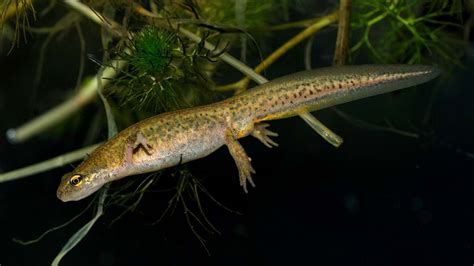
<point>87,93</point>
<point>48,164</point>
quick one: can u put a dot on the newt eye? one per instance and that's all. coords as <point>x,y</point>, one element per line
<point>76,180</point>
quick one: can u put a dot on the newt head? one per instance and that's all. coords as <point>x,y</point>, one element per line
<point>90,175</point>
<point>78,185</point>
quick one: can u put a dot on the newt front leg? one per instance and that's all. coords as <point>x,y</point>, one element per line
<point>132,145</point>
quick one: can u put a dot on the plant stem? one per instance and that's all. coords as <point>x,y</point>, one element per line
<point>47,165</point>
<point>82,232</point>
<point>13,9</point>
<point>342,41</point>
<point>95,16</point>
<point>296,24</point>
<point>86,93</point>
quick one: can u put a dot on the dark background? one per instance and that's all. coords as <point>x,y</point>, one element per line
<point>380,199</point>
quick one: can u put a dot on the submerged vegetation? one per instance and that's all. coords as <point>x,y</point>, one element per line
<point>151,50</point>
<point>406,31</point>
<point>163,75</point>
<point>164,60</point>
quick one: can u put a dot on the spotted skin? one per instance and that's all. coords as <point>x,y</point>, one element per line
<point>177,137</point>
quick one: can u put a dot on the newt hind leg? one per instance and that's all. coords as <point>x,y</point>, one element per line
<point>241,160</point>
<point>263,134</point>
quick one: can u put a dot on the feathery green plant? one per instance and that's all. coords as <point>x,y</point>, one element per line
<point>151,50</point>
<point>405,30</point>
<point>162,75</point>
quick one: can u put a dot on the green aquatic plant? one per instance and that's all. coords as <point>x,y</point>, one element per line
<point>163,75</point>
<point>256,12</point>
<point>151,50</point>
<point>129,195</point>
<point>20,10</point>
<point>187,194</point>
<point>404,30</point>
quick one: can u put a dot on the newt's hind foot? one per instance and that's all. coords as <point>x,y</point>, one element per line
<point>245,172</point>
<point>242,161</point>
<point>263,134</point>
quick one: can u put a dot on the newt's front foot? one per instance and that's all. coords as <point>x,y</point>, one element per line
<point>141,141</point>
<point>133,143</point>
<point>263,134</point>
<point>241,160</point>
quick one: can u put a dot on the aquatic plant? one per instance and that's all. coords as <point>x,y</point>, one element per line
<point>163,74</point>
<point>150,50</point>
<point>20,10</point>
<point>405,31</point>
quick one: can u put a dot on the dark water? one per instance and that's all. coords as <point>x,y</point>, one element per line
<point>380,199</point>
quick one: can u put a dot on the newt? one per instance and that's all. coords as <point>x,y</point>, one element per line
<point>168,139</point>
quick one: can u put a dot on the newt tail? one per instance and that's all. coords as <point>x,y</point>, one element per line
<point>177,137</point>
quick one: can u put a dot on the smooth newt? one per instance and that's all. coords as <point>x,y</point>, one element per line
<point>177,137</point>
